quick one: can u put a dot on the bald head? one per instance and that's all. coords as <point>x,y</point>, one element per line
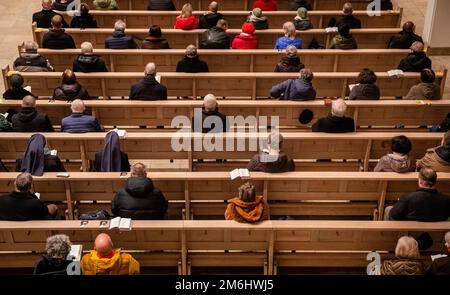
<point>210,102</point>
<point>213,6</point>
<point>29,102</point>
<point>77,106</point>
<point>150,69</point>
<point>47,4</point>
<point>103,244</point>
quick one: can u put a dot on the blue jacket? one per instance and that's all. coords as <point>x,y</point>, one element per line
<point>120,41</point>
<point>291,89</point>
<point>80,123</point>
<point>284,42</point>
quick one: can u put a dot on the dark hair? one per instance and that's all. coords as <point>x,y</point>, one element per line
<point>367,76</point>
<point>427,76</point>
<point>429,176</point>
<point>16,81</point>
<point>247,192</point>
<point>68,77</point>
<point>408,27</point>
<point>401,144</point>
<point>84,9</point>
<point>344,30</point>
<point>155,31</point>
<point>57,21</point>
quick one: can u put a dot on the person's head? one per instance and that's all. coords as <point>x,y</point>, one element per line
<point>138,170</point>
<point>29,101</point>
<point>213,6</point>
<point>58,247</point>
<point>427,178</point>
<point>84,9</point>
<point>338,108</point>
<point>87,48</point>
<point>191,51</point>
<point>150,69</point>
<point>446,139</point>
<point>223,24</point>
<point>291,51</point>
<point>16,81</point>
<point>302,12</point>
<point>210,102</point>
<point>57,22</point>
<point>103,244</point>
<point>289,29</point>
<point>427,76</point>
<point>247,192</point>
<point>306,74</point>
<point>447,241</point>
<point>409,27</point>
<point>347,9</point>
<point>23,182</point>
<point>47,4</point>
<point>31,47</point>
<point>77,106</point>
<point>275,141</point>
<point>257,12</point>
<point>120,25</point>
<point>248,28</point>
<point>155,31</point>
<point>401,145</point>
<point>186,10</point>
<point>344,30</point>
<point>417,47</point>
<point>367,76</point>
<point>407,248</point>
<point>68,77</point>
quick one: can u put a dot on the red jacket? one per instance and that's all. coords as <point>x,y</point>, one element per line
<point>189,23</point>
<point>245,42</point>
<point>266,5</point>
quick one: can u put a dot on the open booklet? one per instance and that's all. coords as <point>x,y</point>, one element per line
<point>75,252</point>
<point>120,132</point>
<point>120,223</point>
<point>434,257</point>
<point>395,73</point>
<point>239,173</point>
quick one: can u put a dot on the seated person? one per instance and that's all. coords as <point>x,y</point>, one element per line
<point>105,260</point>
<point>119,40</point>
<point>22,204</point>
<point>407,259</point>
<point>210,18</point>
<point>16,91</point>
<point>5,126</point>
<point>105,4</point>
<point>272,159</point>
<point>148,88</point>
<point>87,61</point>
<point>405,38</point>
<point>210,113</point>
<point>38,159</point>
<point>85,20</point>
<point>31,60</point>
<point>336,122</point>
<point>111,158</point>
<point>348,18</point>
<point>160,5</point>
<point>54,261</point>
<point>399,160</point>
<point>437,158</point>
<point>56,37</point>
<point>301,21</point>
<point>386,5</point>
<point>246,39</point>
<point>186,21</point>
<point>29,120</point>
<point>61,5</point>
<point>247,207</point>
<point>216,37</point>
<point>444,126</point>
<point>70,89</point>
<point>299,89</point>
<point>258,20</point>
<point>289,37</point>
<point>78,122</point>
<point>296,4</point>
<point>427,89</point>
<point>290,63</point>
<point>43,18</point>
<point>266,5</point>
<point>366,89</point>
<point>344,40</point>
<point>417,60</point>
<point>155,40</point>
<point>139,199</point>
<point>425,205</point>
<point>191,63</point>
<point>441,266</point>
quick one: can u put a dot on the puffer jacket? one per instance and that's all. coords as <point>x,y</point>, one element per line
<point>265,163</point>
<point>289,65</point>
<point>32,62</point>
<point>245,41</point>
<point>106,4</point>
<point>429,91</point>
<point>215,38</point>
<point>365,92</point>
<point>89,63</point>
<point>51,266</point>
<point>70,92</point>
<point>403,267</point>
<point>393,163</point>
<point>209,20</point>
<point>120,41</point>
<point>118,264</point>
<point>415,62</point>
<point>343,42</point>
<point>155,43</point>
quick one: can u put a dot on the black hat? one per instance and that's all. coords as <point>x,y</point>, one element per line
<point>305,117</point>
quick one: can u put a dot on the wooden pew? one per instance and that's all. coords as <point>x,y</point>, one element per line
<point>187,245</point>
<point>229,85</point>
<point>179,39</point>
<point>261,60</point>
<point>166,19</point>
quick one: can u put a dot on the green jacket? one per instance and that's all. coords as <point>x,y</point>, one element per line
<point>106,4</point>
<point>341,42</point>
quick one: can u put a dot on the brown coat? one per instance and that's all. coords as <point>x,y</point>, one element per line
<point>282,164</point>
<point>250,212</point>
<point>432,160</point>
<point>402,267</point>
<point>429,91</point>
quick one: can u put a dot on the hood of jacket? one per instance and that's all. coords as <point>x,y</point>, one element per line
<point>249,211</point>
<point>154,39</point>
<point>27,114</point>
<point>118,34</point>
<point>417,58</point>
<point>246,37</point>
<point>400,164</point>
<point>56,33</point>
<point>402,267</point>
<point>105,265</point>
<point>139,187</point>
<point>88,59</point>
<point>30,55</point>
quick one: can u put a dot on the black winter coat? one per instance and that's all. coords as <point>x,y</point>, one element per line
<point>148,89</point>
<point>160,5</point>
<point>89,63</point>
<point>215,38</point>
<point>16,93</point>
<point>210,20</point>
<point>296,4</point>
<point>57,39</point>
<point>403,40</point>
<point>43,19</point>
<point>333,124</point>
<point>349,20</point>
<point>205,115</point>
<point>51,266</point>
<point>192,65</point>
<point>29,120</point>
<point>365,92</point>
<point>415,62</point>
<point>22,206</point>
<point>70,92</point>
<point>289,65</point>
<point>84,22</point>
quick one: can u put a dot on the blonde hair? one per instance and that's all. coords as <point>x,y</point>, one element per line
<point>186,10</point>
<point>289,29</point>
<point>407,247</point>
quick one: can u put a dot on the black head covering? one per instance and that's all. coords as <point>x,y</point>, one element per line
<point>305,117</point>
<point>111,155</point>
<point>33,159</point>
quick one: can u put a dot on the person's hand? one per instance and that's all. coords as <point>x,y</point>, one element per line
<point>52,209</point>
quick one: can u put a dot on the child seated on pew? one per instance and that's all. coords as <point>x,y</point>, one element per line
<point>247,207</point>
<point>399,160</point>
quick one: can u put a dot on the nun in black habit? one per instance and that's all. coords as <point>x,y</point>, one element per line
<point>111,158</point>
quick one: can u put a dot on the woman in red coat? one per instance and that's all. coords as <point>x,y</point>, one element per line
<point>186,21</point>
<point>246,39</point>
<point>266,5</point>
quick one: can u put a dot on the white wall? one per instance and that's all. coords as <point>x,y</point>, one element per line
<point>436,30</point>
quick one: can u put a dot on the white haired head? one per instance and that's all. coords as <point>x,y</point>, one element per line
<point>150,69</point>
<point>86,47</point>
<point>120,25</point>
<point>210,102</point>
<point>338,108</point>
<point>31,46</point>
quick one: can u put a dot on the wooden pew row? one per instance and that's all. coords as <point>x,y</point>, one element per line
<point>229,85</point>
<point>186,245</point>
<point>261,60</point>
<point>358,149</point>
<point>166,19</point>
<point>179,39</point>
